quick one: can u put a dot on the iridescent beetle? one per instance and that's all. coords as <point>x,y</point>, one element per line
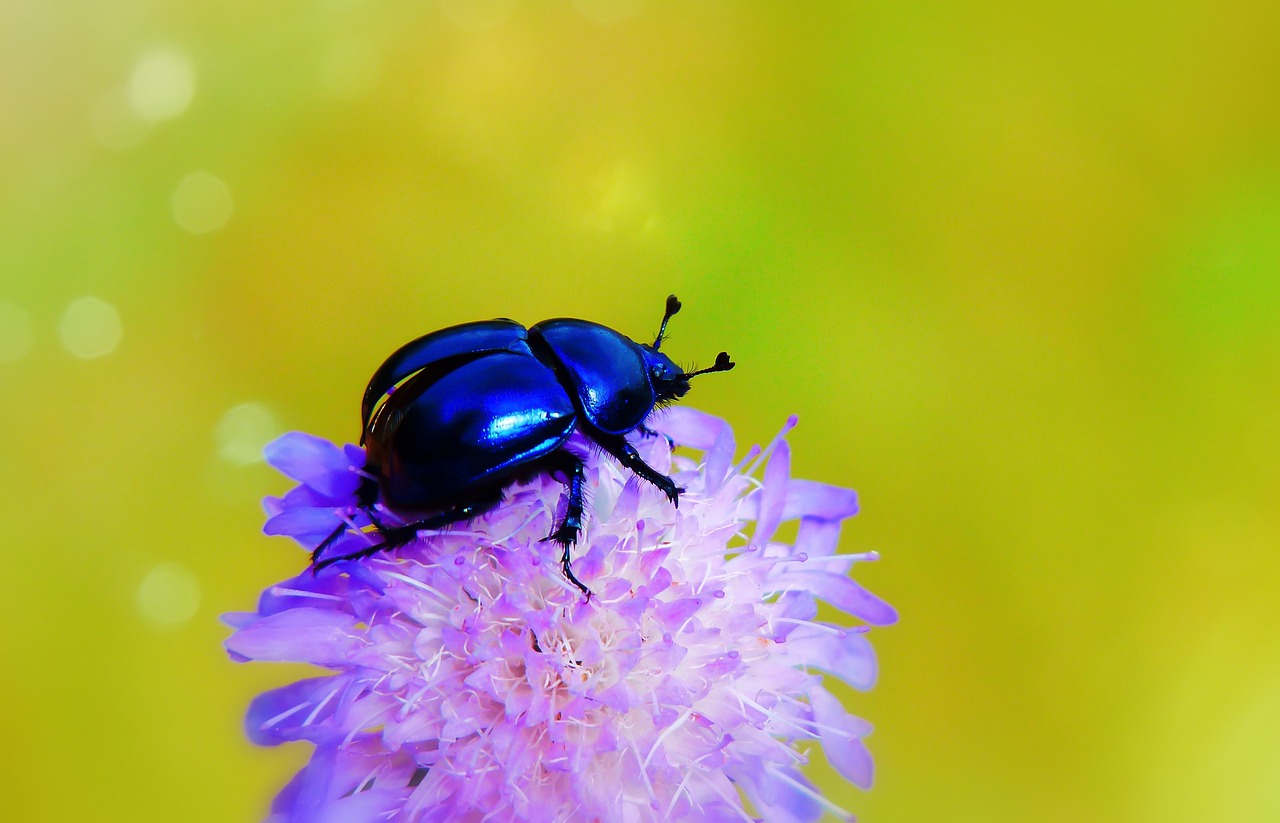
<point>485,404</point>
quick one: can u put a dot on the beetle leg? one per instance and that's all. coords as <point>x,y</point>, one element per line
<point>567,534</point>
<point>377,524</point>
<point>328,541</point>
<point>366,496</point>
<point>626,454</point>
<point>395,537</point>
<point>647,432</point>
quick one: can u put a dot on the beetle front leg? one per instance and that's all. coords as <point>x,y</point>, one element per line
<point>626,454</point>
<point>647,433</point>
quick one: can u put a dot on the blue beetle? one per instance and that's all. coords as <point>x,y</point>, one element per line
<point>470,409</point>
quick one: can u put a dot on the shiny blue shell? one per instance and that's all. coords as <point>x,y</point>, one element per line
<point>474,406</point>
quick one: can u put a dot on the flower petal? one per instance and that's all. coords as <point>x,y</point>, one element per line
<point>314,461</point>
<point>843,652</point>
<point>781,794</point>
<point>303,635</point>
<point>298,711</point>
<point>688,426</point>
<point>840,591</point>
<point>842,735</point>
<point>307,526</point>
<point>808,498</point>
<point>718,461</point>
<point>773,493</point>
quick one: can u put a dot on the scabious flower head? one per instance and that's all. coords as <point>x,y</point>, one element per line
<point>472,682</point>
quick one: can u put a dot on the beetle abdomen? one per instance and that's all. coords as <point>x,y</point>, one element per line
<point>466,341</point>
<point>472,428</point>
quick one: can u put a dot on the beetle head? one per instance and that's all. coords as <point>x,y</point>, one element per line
<point>669,381</point>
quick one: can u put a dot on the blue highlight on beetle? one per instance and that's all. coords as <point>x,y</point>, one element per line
<point>478,406</point>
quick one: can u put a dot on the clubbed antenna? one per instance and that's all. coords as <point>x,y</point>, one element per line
<point>673,306</point>
<point>723,363</point>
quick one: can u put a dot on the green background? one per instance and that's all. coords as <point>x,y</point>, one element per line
<point>1015,266</point>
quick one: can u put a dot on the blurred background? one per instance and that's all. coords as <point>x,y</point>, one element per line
<point>1016,268</point>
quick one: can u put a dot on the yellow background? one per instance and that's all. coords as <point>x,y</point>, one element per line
<point>1015,266</point>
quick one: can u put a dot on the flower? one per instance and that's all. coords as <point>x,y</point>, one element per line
<point>471,681</point>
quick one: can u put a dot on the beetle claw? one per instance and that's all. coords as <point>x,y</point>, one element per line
<point>565,537</point>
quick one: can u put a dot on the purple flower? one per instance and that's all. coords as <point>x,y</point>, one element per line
<point>473,682</point>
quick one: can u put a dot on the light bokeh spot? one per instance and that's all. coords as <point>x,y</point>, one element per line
<point>351,69</point>
<point>169,595</point>
<point>244,430</point>
<point>477,15</point>
<point>625,201</point>
<point>162,84</point>
<point>202,203</point>
<point>607,12</point>
<point>90,327</point>
<point>115,123</point>
<point>17,332</point>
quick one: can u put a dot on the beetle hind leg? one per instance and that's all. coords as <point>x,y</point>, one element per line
<point>566,534</point>
<point>327,542</point>
<point>366,496</point>
<point>394,537</point>
<point>568,572</point>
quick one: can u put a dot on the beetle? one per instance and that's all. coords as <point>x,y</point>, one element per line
<point>468,410</point>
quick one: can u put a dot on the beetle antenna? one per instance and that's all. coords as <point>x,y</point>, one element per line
<point>723,363</point>
<point>673,306</point>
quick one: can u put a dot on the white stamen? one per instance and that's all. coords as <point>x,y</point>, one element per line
<point>675,796</point>
<point>777,438</point>
<point>838,631</point>
<point>752,454</point>
<point>281,591</point>
<point>369,776</point>
<point>819,799</point>
<point>665,732</point>
<point>418,584</point>
<point>862,557</point>
<point>319,707</point>
<point>284,715</point>
<point>735,803</point>
<point>774,715</point>
<point>644,773</point>
<point>822,727</point>
<point>534,515</point>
